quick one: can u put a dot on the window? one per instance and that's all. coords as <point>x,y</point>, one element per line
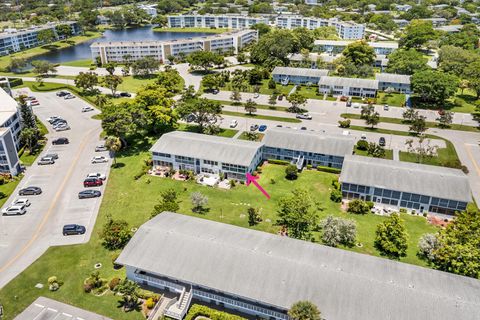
<point>406,196</point>
<point>424,199</point>
<point>415,197</point>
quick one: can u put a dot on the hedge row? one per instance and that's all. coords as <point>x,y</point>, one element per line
<point>198,310</point>
<point>275,161</point>
<point>328,169</point>
<point>15,82</point>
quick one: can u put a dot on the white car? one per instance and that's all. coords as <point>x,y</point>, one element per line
<point>256,95</point>
<point>233,124</point>
<point>21,202</point>
<point>97,175</point>
<point>87,109</point>
<point>14,211</point>
<point>62,128</point>
<point>100,148</point>
<point>304,116</point>
<point>69,96</point>
<point>99,159</point>
<point>52,118</point>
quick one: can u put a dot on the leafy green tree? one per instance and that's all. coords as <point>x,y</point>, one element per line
<point>115,234</point>
<point>169,79</point>
<point>64,30</point>
<point>297,101</point>
<point>86,81</point>
<point>26,114</point>
<point>205,60</point>
<point>145,66</point>
<point>296,212</point>
<point>455,60</point>
<point>199,201</point>
<point>375,150</point>
<point>427,245</point>
<point>236,97</point>
<point>409,115</point>
<point>434,86</point>
<point>100,100</point>
<point>110,68</point>
<point>168,202</point>
<point>417,34</point>
<point>467,38</point>
<point>251,135</point>
<point>357,206</point>
<point>304,310</point>
<point>383,22</point>
<point>128,290</point>
<point>406,61</point>
<point>417,12</point>
<point>472,73</point>
<point>206,112</point>
<point>29,138</point>
<point>371,117</point>
<point>291,172</point>
<point>274,47</point>
<point>305,37</point>
<point>156,103</point>
<point>45,36</point>
<point>212,82</point>
<point>327,33</point>
<point>262,28</point>
<point>114,145</point>
<point>445,119</point>
<point>253,216</point>
<point>272,100</point>
<point>17,64</point>
<point>418,125</point>
<point>359,53</point>
<point>391,237</point>
<point>112,82</point>
<point>250,106</point>
<point>119,120</point>
<point>42,68</point>
<point>337,231</point>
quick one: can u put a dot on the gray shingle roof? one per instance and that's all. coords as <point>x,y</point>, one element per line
<point>302,72</point>
<point>417,178</point>
<point>335,145</point>
<point>280,271</point>
<point>393,78</point>
<point>349,82</point>
<point>202,146</point>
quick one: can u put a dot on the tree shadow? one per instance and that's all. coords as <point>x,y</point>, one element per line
<point>201,210</point>
<point>118,165</point>
<point>51,47</point>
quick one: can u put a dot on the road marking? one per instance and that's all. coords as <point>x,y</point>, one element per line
<point>469,153</point>
<point>52,206</point>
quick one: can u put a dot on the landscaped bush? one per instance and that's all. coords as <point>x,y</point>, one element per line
<point>113,283</point>
<point>281,162</point>
<point>15,82</point>
<point>336,195</point>
<point>358,206</point>
<point>291,172</point>
<point>362,145</point>
<point>150,303</point>
<point>309,166</point>
<point>146,294</point>
<point>198,310</point>
<point>328,169</point>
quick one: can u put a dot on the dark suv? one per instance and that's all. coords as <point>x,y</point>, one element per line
<point>92,182</point>
<point>60,141</point>
<point>73,229</point>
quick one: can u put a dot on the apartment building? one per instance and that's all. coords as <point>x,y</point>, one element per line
<point>411,186</point>
<point>398,82</point>
<point>14,40</point>
<point>286,75</point>
<point>150,9</point>
<point>215,21</point>
<point>337,46</point>
<point>355,87</point>
<point>10,126</point>
<point>161,50</point>
<point>261,275</point>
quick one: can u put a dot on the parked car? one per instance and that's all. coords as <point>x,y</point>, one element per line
<point>279,126</point>
<point>52,118</point>
<point>190,118</point>
<point>215,91</point>
<point>97,175</point>
<point>441,112</point>
<point>356,105</point>
<point>14,210</point>
<point>54,156</point>
<point>73,229</point>
<point>85,194</point>
<point>62,93</point>
<point>364,136</point>
<point>69,96</point>
<point>30,191</point>
<point>30,98</point>
<point>92,182</point>
<point>45,161</point>
<point>57,121</point>
<point>125,94</point>
<point>386,107</point>
<point>253,127</point>
<point>303,128</point>
<point>262,128</point>
<point>304,116</point>
<point>62,128</point>
<point>100,148</point>
<point>99,159</point>
<point>256,95</point>
<point>21,202</point>
<point>349,103</point>
<point>233,124</point>
<point>280,97</point>
<point>60,141</point>
<point>87,109</point>
<point>33,103</point>
<point>381,142</point>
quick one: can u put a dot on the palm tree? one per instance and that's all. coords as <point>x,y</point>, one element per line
<point>128,289</point>
<point>304,310</point>
<point>113,144</point>
<point>100,101</point>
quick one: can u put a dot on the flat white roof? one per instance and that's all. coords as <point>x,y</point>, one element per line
<point>8,106</point>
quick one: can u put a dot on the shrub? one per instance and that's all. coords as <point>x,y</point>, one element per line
<point>87,287</point>
<point>272,84</point>
<point>54,286</point>
<point>2,181</point>
<point>358,206</point>
<point>281,162</point>
<point>362,145</point>
<point>403,210</point>
<point>150,303</point>
<point>52,279</point>
<point>198,310</point>
<point>232,183</point>
<point>464,169</point>
<point>328,169</point>
<point>2,195</point>
<point>15,82</point>
<point>291,172</point>
<point>272,181</point>
<point>309,166</point>
<point>336,195</point>
<point>254,173</point>
<point>114,258</point>
<point>113,283</point>
<point>146,294</point>
<point>344,123</point>
<point>336,184</point>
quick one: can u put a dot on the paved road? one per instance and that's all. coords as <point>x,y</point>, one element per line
<point>24,238</point>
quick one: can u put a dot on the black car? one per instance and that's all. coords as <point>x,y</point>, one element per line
<point>60,141</point>
<point>85,194</point>
<point>30,191</point>
<point>73,229</point>
<point>381,142</point>
<point>303,128</point>
<point>62,93</point>
<point>58,120</point>
<point>125,94</point>
<point>253,127</point>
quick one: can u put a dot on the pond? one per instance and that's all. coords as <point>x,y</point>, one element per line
<point>82,51</point>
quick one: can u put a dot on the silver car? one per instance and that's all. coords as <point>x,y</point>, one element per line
<point>14,210</point>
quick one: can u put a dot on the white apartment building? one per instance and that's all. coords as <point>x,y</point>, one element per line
<point>161,50</point>
<point>355,87</point>
<point>337,46</point>
<point>215,21</point>
<point>10,127</point>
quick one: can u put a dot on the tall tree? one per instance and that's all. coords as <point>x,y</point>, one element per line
<point>236,97</point>
<point>206,112</point>
<point>297,101</point>
<point>445,119</point>
<point>434,86</point>
<point>42,68</point>
<point>86,81</point>
<point>145,66</point>
<point>472,73</point>
<point>168,202</point>
<point>205,60</point>
<point>250,106</point>
<point>337,231</point>
<point>404,61</point>
<point>112,82</point>
<point>113,144</point>
<point>45,36</point>
<point>417,34</point>
<point>359,53</point>
<point>391,237</point>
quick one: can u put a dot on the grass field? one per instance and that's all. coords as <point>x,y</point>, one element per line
<point>227,133</point>
<point>243,136</point>
<point>79,63</point>
<point>392,99</point>
<point>133,200</point>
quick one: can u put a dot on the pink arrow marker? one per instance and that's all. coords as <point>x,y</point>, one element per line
<point>252,179</point>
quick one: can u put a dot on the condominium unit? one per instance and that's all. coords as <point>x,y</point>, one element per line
<point>345,29</point>
<point>337,46</point>
<point>397,82</point>
<point>261,275</point>
<point>215,21</point>
<point>10,126</point>
<point>339,86</point>
<point>307,148</point>
<point>207,154</point>
<point>286,75</point>
<point>13,40</point>
<point>162,50</point>
<point>150,9</point>
<point>406,185</point>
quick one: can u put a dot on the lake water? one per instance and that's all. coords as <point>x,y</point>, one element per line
<point>82,50</point>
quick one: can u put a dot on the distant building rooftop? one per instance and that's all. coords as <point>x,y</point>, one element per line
<point>392,77</point>
<point>349,82</point>
<point>306,72</point>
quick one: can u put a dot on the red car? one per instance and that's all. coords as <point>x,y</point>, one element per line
<point>92,182</point>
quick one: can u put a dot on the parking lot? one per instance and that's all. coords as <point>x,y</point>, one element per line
<point>24,238</point>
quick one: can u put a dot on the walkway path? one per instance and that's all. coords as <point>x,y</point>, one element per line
<point>396,154</point>
<point>237,134</point>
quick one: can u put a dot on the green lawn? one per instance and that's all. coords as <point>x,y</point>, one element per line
<point>79,63</point>
<point>199,30</point>
<point>388,153</point>
<point>227,133</point>
<point>243,136</point>
<point>260,117</point>
<point>27,158</point>
<point>461,102</point>
<point>29,53</point>
<point>8,188</point>
<point>133,200</point>
<point>259,106</point>
<point>429,124</point>
<point>392,99</point>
